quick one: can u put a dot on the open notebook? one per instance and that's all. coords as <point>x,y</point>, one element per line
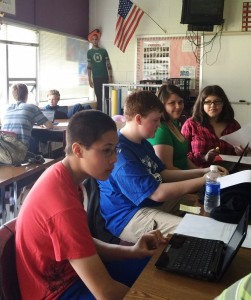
<point>202,258</point>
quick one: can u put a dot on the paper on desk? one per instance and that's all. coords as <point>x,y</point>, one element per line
<point>247,241</point>
<point>205,227</point>
<point>234,179</point>
<point>245,159</point>
<point>239,137</point>
<point>63,124</point>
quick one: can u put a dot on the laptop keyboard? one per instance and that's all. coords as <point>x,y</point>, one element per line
<point>197,256</point>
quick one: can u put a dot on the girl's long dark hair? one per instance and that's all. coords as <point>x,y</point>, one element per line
<point>199,115</point>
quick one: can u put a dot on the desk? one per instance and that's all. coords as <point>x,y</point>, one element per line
<point>159,285</point>
<point>57,134</point>
<point>156,284</point>
<point>19,177</point>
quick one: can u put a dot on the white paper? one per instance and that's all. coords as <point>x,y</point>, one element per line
<point>245,159</point>
<point>247,241</point>
<point>205,227</point>
<point>239,137</point>
<point>62,124</point>
<point>234,179</point>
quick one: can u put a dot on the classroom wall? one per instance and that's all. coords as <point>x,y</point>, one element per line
<point>227,61</point>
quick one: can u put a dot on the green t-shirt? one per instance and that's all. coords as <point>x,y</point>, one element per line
<point>97,59</point>
<point>164,136</point>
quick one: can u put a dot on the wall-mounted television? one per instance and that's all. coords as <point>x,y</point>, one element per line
<point>202,12</point>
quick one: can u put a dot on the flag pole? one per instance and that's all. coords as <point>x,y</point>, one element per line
<point>153,20</point>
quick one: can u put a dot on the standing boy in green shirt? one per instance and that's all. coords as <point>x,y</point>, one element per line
<point>99,67</point>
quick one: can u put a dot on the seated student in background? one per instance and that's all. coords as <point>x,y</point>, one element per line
<point>140,194</point>
<point>169,144</point>
<point>53,97</point>
<point>213,117</point>
<point>67,263</point>
<point>20,117</point>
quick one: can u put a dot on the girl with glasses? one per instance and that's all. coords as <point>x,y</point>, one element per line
<point>213,117</point>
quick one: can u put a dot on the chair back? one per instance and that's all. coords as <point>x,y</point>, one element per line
<point>95,220</point>
<point>9,287</point>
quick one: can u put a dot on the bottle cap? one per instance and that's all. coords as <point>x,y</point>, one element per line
<point>213,168</point>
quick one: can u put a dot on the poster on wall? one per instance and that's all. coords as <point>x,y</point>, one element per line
<point>76,50</point>
<point>188,72</point>
<point>155,60</point>
<point>82,72</point>
<point>8,6</point>
<point>162,58</point>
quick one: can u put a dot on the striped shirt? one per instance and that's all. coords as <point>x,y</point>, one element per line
<point>20,118</point>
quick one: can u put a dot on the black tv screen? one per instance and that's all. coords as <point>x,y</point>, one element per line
<point>202,12</point>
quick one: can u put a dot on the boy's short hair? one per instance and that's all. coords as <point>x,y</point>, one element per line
<point>143,103</point>
<point>54,92</point>
<point>20,91</point>
<point>87,127</point>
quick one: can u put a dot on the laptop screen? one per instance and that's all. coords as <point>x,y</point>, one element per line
<point>49,114</point>
<point>236,165</point>
<point>235,241</point>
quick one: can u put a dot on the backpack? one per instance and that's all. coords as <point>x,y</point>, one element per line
<point>12,151</point>
<point>234,200</point>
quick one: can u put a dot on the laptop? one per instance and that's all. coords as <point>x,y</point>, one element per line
<point>233,167</point>
<point>202,258</point>
<point>49,114</point>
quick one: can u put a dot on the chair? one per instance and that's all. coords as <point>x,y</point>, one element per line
<point>9,287</point>
<point>95,220</point>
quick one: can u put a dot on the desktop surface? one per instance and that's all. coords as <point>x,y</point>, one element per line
<point>158,284</point>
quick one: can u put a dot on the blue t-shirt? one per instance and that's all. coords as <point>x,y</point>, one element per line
<point>136,175</point>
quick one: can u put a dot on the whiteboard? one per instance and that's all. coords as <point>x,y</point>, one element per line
<point>232,67</point>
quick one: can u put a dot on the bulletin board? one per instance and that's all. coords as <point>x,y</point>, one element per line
<point>160,58</point>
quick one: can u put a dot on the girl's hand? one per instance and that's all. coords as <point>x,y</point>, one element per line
<point>223,171</point>
<point>211,154</point>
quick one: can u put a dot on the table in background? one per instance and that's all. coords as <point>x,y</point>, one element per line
<point>19,177</point>
<point>48,136</point>
<point>158,284</point>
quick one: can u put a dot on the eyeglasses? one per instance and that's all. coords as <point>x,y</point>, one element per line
<point>108,152</point>
<point>216,102</point>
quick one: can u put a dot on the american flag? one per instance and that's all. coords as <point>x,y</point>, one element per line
<point>129,16</point>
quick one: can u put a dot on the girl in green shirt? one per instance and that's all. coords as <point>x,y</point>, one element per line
<point>169,144</point>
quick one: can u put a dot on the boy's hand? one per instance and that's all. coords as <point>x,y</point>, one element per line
<point>149,243</point>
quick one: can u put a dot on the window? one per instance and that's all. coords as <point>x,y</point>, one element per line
<point>18,58</point>
<point>43,61</point>
<point>63,66</point>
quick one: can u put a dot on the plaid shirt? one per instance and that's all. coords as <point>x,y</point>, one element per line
<point>202,139</point>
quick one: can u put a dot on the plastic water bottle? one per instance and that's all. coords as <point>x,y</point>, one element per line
<point>212,189</point>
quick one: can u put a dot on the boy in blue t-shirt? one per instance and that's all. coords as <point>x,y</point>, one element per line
<point>140,193</point>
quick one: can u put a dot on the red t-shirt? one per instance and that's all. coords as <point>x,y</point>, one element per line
<point>51,229</point>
